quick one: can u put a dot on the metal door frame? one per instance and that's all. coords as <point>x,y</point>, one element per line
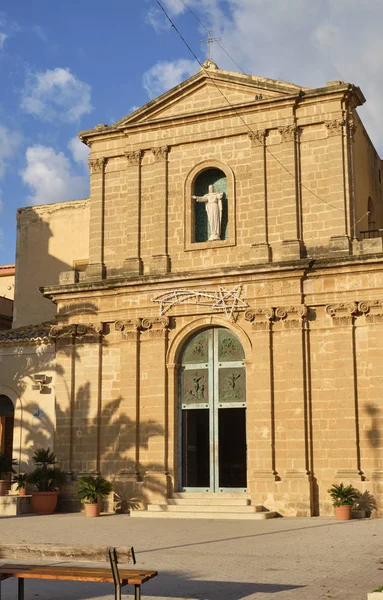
<point>213,366</point>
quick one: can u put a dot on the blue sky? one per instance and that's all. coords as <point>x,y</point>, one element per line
<point>67,66</point>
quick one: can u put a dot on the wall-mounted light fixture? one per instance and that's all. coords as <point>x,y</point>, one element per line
<point>40,380</point>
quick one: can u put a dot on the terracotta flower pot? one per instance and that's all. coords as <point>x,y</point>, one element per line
<point>343,513</point>
<point>23,491</point>
<point>92,510</point>
<point>44,503</point>
<point>3,487</point>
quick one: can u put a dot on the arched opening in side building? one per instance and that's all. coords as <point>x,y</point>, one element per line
<point>212,419</point>
<point>7,413</point>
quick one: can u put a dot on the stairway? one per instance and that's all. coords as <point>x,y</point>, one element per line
<point>205,506</point>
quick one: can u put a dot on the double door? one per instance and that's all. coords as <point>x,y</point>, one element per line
<point>212,403</point>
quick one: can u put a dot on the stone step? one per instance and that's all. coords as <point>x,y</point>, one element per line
<point>12,505</point>
<point>203,508</point>
<point>205,495</point>
<point>216,501</point>
<point>165,514</point>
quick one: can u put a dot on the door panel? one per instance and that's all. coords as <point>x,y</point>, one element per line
<point>213,412</point>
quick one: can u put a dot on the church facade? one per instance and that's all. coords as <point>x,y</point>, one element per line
<point>214,321</point>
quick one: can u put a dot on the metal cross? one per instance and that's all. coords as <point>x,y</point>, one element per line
<point>210,41</point>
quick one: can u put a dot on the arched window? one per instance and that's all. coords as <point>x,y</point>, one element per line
<point>206,213</point>
<point>6,425</point>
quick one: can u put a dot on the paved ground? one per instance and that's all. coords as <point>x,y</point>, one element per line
<point>284,559</point>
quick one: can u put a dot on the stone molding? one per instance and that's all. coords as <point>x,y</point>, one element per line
<point>77,330</point>
<point>288,133</point>
<point>292,317</point>
<point>258,138</point>
<point>343,313</point>
<point>134,157</point>
<point>160,153</point>
<point>96,165</point>
<point>260,318</point>
<point>334,127</point>
<point>34,212</point>
<point>372,310</point>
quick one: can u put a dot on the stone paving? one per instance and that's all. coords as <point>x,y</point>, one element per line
<point>216,560</point>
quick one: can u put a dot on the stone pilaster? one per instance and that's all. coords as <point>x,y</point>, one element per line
<point>96,267</point>
<point>160,261</point>
<point>260,249</point>
<point>132,262</point>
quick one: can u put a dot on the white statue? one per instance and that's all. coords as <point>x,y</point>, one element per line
<point>213,205</point>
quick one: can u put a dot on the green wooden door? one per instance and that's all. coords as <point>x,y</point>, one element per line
<point>212,413</point>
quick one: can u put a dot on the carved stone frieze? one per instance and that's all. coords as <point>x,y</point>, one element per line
<point>334,127</point>
<point>134,157</point>
<point>160,153</point>
<point>258,137</point>
<point>96,165</point>
<point>288,133</point>
<point>292,317</point>
<point>260,318</point>
<point>342,313</point>
<point>373,311</point>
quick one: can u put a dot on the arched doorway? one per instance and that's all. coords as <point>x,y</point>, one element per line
<point>212,419</point>
<point>7,412</point>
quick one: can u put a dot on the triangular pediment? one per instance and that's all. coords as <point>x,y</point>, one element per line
<point>208,91</point>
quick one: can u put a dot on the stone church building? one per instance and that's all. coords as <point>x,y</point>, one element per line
<point>210,320</point>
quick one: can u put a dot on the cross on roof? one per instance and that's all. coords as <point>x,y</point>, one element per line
<point>210,41</point>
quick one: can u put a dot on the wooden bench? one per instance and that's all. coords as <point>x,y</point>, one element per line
<point>73,571</point>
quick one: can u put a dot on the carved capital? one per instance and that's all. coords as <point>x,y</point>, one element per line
<point>258,138</point>
<point>161,153</point>
<point>134,157</point>
<point>260,318</point>
<point>80,331</point>
<point>291,316</point>
<point>334,127</point>
<point>351,127</point>
<point>155,327</point>
<point>373,311</point>
<point>96,165</point>
<point>129,328</point>
<point>288,133</point>
<point>342,313</point>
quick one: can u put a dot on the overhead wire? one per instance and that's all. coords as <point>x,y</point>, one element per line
<point>236,111</point>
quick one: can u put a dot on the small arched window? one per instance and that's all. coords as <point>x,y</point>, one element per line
<point>206,214</point>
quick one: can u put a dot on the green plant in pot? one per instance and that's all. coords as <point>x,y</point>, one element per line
<point>6,466</point>
<point>91,490</point>
<point>20,481</point>
<point>46,478</point>
<point>343,498</point>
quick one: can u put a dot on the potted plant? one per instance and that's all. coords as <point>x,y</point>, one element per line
<point>20,481</point>
<point>46,478</point>
<point>343,497</point>
<point>6,466</point>
<point>90,490</point>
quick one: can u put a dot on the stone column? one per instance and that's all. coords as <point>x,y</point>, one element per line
<point>160,262</point>
<point>260,405</point>
<point>173,419</point>
<point>290,201</point>
<point>260,249</point>
<point>154,418</point>
<point>346,460</point>
<point>96,267</point>
<point>133,263</point>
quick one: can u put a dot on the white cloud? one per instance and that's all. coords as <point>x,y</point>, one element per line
<point>80,151</point>
<point>166,74</point>
<point>50,176</point>
<point>3,37</point>
<point>9,142</point>
<point>56,94</point>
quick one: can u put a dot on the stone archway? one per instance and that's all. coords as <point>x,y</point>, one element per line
<point>212,412</point>
<point>7,416</point>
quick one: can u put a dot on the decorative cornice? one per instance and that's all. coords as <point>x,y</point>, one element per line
<point>292,317</point>
<point>260,318</point>
<point>288,133</point>
<point>372,310</point>
<point>334,127</point>
<point>160,153</point>
<point>342,313</point>
<point>96,165</point>
<point>258,138</point>
<point>134,157</point>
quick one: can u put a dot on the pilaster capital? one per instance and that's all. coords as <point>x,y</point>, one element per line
<point>288,133</point>
<point>335,126</point>
<point>258,138</point>
<point>292,317</point>
<point>373,310</point>
<point>133,157</point>
<point>342,313</point>
<point>260,318</point>
<point>96,165</point>
<point>129,329</point>
<point>160,153</point>
<point>155,327</point>
<point>80,331</point>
